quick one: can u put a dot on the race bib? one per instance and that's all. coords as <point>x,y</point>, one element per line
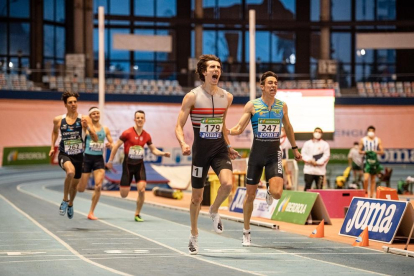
<point>96,146</point>
<point>211,128</point>
<point>136,152</point>
<point>73,147</point>
<point>268,128</point>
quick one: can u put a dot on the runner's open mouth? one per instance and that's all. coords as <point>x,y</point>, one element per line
<point>215,77</point>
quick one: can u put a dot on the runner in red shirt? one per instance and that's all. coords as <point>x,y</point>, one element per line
<point>134,140</point>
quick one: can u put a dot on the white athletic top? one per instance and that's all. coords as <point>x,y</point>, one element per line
<point>318,151</point>
<point>356,157</point>
<point>370,144</point>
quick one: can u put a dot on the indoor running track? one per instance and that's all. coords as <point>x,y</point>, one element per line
<point>36,240</point>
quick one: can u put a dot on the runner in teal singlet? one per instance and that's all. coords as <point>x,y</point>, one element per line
<point>93,160</point>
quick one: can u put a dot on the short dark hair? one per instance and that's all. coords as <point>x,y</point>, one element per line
<point>356,143</point>
<point>202,65</point>
<point>371,127</point>
<point>266,75</point>
<point>68,94</point>
<point>138,111</point>
<point>92,108</point>
<point>319,129</point>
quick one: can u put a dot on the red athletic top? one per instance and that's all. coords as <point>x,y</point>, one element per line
<point>131,138</point>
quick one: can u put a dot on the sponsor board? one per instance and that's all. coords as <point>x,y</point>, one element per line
<point>397,156</point>
<point>177,157</point>
<point>25,156</point>
<point>260,207</point>
<point>384,219</point>
<point>295,207</point>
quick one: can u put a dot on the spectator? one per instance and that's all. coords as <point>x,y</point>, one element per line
<point>355,161</point>
<point>315,154</point>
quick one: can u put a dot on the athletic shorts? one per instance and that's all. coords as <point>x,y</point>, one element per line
<point>132,170</point>
<point>267,155</point>
<point>208,154</point>
<point>92,163</point>
<point>76,160</point>
<point>356,167</point>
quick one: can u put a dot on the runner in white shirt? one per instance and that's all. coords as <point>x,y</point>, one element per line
<point>315,154</point>
<point>284,147</point>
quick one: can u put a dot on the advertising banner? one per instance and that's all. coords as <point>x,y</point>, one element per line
<point>295,207</point>
<point>260,207</point>
<point>382,217</point>
<point>25,156</point>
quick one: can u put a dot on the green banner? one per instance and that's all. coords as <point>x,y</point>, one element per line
<point>339,156</point>
<point>26,156</point>
<point>294,207</point>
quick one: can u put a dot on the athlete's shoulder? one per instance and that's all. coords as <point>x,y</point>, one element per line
<point>58,118</point>
<point>279,102</point>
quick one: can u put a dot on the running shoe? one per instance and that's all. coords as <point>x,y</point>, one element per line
<point>269,198</point>
<point>70,212</point>
<point>218,226</point>
<point>246,238</point>
<point>63,207</point>
<point>193,245</point>
<point>138,218</point>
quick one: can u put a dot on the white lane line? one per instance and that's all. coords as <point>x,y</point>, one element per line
<point>16,244</point>
<point>8,240</point>
<point>61,241</point>
<point>143,237</point>
<point>195,256</point>
<point>111,243</point>
<point>80,239</point>
<point>36,261</point>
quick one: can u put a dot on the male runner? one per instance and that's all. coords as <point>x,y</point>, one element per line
<point>134,140</point>
<point>72,131</point>
<point>371,146</point>
<point>266,114</point>
<point>207,105</point>
<point>93,159</point>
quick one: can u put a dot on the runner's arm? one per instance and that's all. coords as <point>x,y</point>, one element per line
<point>361,147</point>
<point>188,102</point>
<point>109,145</point>
<point>232,152</point>
<point>244,120</point>
<point>157,152</point>
<point>87,125</point>
<point>55,133</point>
<point>113,153</point>
<point>290,133</point>
<point>380,148</point>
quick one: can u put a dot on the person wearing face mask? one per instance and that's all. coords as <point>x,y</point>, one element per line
<point>315,154</point>
<point>370,146</point>
<point>355,161</point>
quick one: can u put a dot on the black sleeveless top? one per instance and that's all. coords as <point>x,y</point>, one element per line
<point>72,136</point>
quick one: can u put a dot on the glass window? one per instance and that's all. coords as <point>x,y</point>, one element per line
<point>386,56</point>
<point>96,43</point>
<point>19,38</point>
<point>99,3</point>
<point>283,10</point>
<point>386,10</point>
<point>144,8</point>
<point>283,47</point>
<point>145,70</point>
<point>364,10</point>
<point>231,9</point>
<point>60,42</point>
<point>340,10</point>
<point>119,7</point>
<point>19,8</point>
<point>164,56</point>
<point>49,35</point>
<point>3,38</point>
<point>3,7</point>
<point>262,46</point>
<point>341,46</point>
<point>209,42</point>
<point>144,55</point>
<point>115,53</point>
<point>315,10</point>
<point>166,8</point>
<point>230,45</point>
<point>209,8</point>
<point>260,6</point>
<point>60,11</point>
<point>49,10</point>
<point>364,56</point>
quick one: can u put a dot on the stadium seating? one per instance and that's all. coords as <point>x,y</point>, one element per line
<point>386,89</point>
<point>16,82</point>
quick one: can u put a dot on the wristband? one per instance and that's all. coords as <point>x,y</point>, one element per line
<point>228,146</point>
<point>111,161</point>
<point>89,129</point>
<point>295,147</point>
<point>230,132</point>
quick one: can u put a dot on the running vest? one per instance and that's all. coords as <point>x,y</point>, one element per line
<point>370,145</point>
<point>72,136</point>
<point>267,124</point>
<point>208,112</point>
<point>95,148</point>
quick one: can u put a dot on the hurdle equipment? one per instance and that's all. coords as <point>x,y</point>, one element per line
<point>168,193</point>
<point>363,239</point>
<point>319,232</point>
<point>387,193</point>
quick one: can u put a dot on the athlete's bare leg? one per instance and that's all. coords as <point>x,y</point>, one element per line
<point>98,176</point>
<point>73,190</point>
<point>276,187</point>
<point>83,182</point>
<point>195,205</point>
<point>124,191</point>
<point>248,204</point>
<point>373,186</point>
<point>366,179</point>
<point>226,181</point>
<point>141,196</point>
<point>70,173</point>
